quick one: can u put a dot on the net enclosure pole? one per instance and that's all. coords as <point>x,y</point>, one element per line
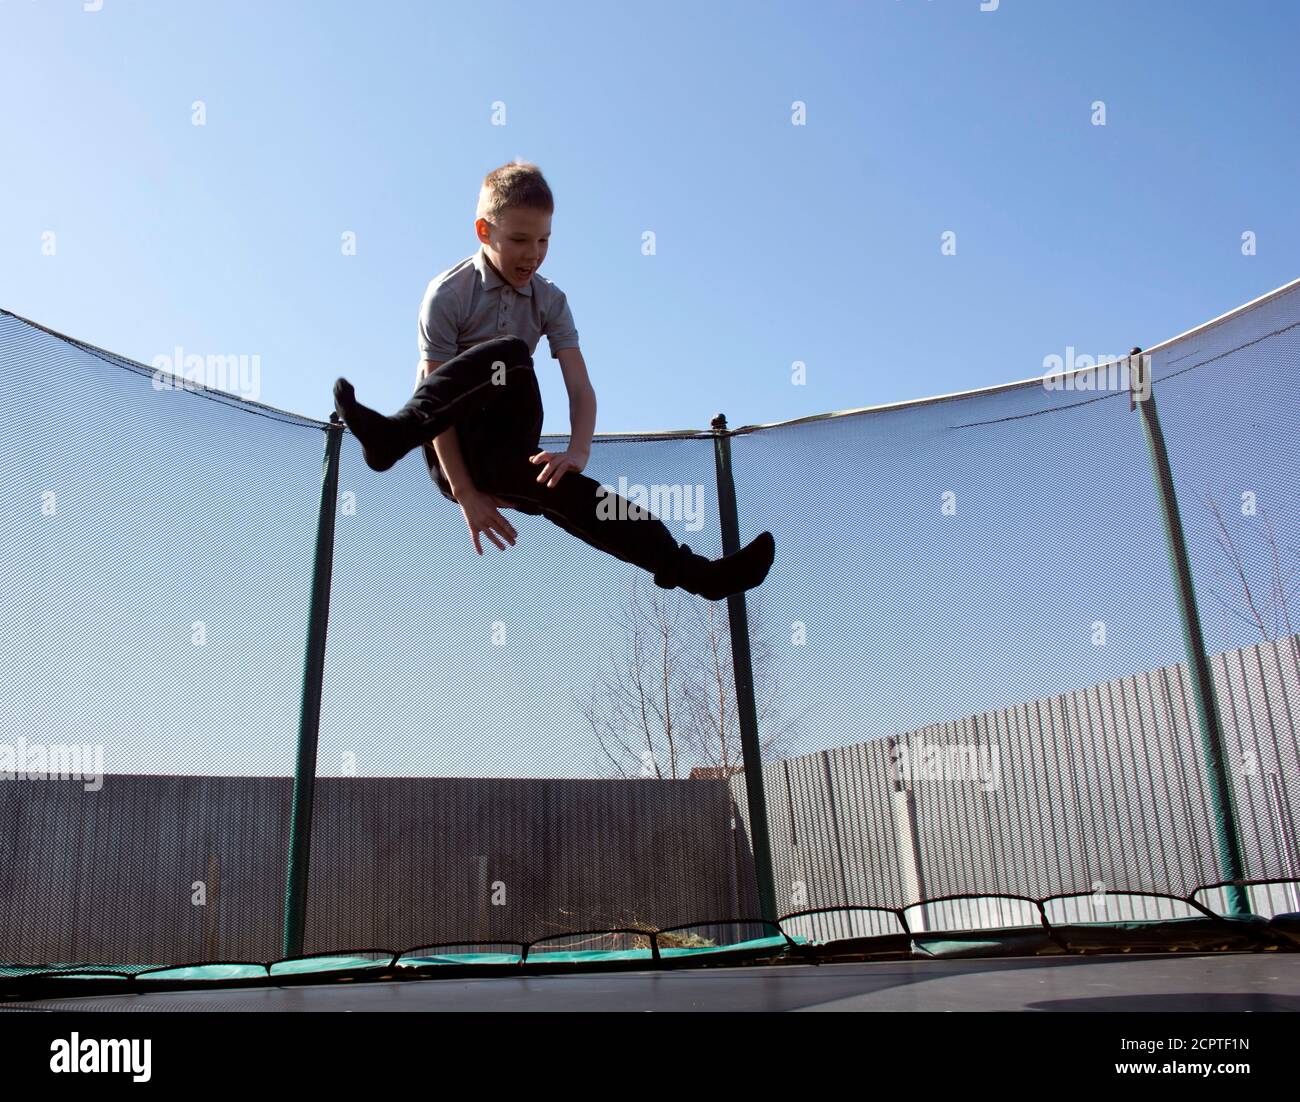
<point>304,777</point>
<point>742,665</point>
<point>1222,809</point>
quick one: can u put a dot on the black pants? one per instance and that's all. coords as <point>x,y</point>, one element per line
<point>499,426</point>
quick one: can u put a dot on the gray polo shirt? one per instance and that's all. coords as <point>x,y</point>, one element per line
<point>469,303</point>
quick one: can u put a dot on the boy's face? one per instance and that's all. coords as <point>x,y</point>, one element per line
<point>517,245</point>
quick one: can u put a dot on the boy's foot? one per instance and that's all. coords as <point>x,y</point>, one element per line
<point>382,442</point>
<point>718,578</point>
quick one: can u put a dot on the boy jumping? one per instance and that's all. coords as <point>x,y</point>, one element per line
<point>477,409</point>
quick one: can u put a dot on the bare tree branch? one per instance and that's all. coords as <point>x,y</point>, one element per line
<point>1279,593</point>
<point>668,705</point>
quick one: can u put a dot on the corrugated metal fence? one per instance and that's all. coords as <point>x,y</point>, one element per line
<point>396,863</point>
<point>1097,790</point>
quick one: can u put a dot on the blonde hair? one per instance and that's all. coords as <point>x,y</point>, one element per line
<point>517,184</point>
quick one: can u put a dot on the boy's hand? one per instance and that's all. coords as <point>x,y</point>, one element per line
<point>481,515</point>
<point>557,463</point>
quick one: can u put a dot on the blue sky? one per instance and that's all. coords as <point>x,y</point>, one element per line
<point>776,243</point>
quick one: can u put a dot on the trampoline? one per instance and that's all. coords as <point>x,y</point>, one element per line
<point>1158,983</point>
<point>280,741</point>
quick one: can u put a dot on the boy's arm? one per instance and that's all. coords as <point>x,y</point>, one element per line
<point>480,509</point>
<point>582,400</point>
<point>447,446</point>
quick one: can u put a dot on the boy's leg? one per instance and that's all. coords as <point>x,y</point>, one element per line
<point>574,502</point>
<point>606,521</point>
<point>610,523</point>
<point>466,385</point>
<point>598,516</point>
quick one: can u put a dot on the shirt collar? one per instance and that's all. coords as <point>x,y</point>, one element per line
<point>490,279</point>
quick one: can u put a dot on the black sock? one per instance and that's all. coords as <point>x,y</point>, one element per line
<point>730,574</point>
<point>382,442</point>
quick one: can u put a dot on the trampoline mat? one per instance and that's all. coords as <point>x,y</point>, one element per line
<point>1158,983</point>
